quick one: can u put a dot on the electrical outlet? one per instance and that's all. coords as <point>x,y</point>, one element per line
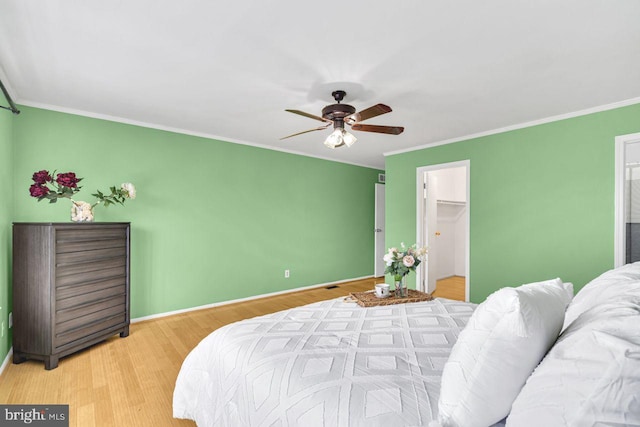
<point>286,274</point>
<point>2,331</point>
<point>11,320</point>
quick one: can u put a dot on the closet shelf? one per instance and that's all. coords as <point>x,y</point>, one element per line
<point>451,202</point>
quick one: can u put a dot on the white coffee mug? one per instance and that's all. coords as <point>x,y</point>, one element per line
<point>382,290</point>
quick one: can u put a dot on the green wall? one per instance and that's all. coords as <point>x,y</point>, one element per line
<point>213,221</point>
<point>6,213</point>
<point>541,203</point>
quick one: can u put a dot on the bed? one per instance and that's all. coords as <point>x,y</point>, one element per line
<point>511,360</point>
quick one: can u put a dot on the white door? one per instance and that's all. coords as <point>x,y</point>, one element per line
<point>379,251</point>
<point>430,237</point>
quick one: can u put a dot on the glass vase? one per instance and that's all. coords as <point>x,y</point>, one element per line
<point>401,287</point>
<point>81,212</point>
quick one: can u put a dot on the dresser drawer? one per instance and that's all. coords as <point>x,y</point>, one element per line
<point>83,234</point>
<point>92,276</point>
<point>86,268</point>
<point>89,245</point>
<point>89,331</point>
<point>86,313</point>
<point>67,258</point>
<point>75,296</point>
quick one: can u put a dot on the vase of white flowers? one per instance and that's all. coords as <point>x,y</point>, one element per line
<point>401,262</point>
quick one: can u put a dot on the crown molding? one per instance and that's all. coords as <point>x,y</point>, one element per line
<point>550,119</point>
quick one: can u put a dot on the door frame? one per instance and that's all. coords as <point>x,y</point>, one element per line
<point>378,252</point>
<point>619,238</point>
<point>422,272</point>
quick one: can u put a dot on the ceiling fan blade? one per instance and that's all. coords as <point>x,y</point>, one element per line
<point>368,113</point>
<point>311,116</point>
<point>307,131</point>
<point>392,130</point>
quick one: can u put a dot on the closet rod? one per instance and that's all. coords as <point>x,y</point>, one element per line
<point>12,107</point>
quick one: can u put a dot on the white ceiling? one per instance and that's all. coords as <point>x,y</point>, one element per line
<point>228,70</point>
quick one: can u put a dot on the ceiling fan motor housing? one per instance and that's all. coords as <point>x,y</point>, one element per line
<point>337,111</point>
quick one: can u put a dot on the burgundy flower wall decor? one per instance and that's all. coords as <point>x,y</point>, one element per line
<point>45,187</point>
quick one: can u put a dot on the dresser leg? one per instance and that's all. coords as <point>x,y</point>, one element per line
<point>125,332</point>
<point>18,358</point>
<point>50,362</point>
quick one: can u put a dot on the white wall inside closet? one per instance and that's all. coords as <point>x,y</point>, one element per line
<point>450,191</point>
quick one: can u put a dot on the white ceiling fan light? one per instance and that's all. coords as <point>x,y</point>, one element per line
<point>348,138</point>
<point>338,138</point>
<point>334,140</point>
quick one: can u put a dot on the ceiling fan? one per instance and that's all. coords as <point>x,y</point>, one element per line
<point>338,114</point>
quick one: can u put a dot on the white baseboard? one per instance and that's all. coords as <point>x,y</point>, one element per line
<point>218,304</point>
<point>6,361</point>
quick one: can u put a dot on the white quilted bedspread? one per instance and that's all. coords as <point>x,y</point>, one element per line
<point>331,363</point>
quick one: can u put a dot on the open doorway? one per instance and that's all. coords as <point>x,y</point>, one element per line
<point>443,226</point>
<point>627,200</point>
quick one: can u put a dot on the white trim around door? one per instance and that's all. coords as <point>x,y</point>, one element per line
<point>421,233</point>
<point>619,239</point>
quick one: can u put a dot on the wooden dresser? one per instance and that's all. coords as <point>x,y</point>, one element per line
<point>70,287</point>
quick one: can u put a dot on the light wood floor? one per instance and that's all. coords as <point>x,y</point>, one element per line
<point>452,287</point>
<point>129,381</point>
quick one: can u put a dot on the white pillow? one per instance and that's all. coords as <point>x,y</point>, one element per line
<point>591,376</point>
<point>568,288</point>
<point>504,340</point>
<point>612,285</point>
